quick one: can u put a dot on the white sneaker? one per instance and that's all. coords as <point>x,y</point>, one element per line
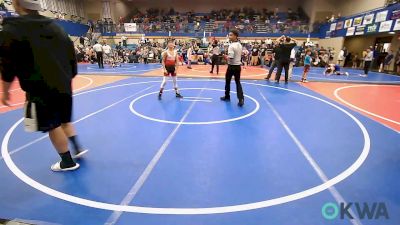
<point>80,154</point>
<point>347,73</point>
<point>57,167</point>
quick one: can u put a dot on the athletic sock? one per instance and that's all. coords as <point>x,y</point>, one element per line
<point>75,143</point>
<point>66,160</point>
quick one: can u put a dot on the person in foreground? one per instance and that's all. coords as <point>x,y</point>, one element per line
<point>42,56</point>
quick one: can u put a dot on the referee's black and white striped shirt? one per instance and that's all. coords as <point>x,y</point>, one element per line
<point>235,54</point>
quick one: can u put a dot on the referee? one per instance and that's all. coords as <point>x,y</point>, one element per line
<point>38,52</point>
<point>234,68</point>
<point>98,48</point>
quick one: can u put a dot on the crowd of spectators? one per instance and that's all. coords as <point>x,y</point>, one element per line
<point>255,53</point>
<point>246,20</point>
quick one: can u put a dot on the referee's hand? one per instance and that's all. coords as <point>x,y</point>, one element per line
<point>5,99</point>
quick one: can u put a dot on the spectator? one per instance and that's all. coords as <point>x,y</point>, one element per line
<point>254,56</point>
<point>387,62</point>
<point>397,57</point>
<point>341,57</point>
<point>398,65</point>
<point>368,62</point>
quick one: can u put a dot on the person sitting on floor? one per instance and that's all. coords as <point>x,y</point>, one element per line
<point>334,69</point>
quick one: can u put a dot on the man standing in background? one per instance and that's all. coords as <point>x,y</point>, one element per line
<point>98,48</point>
<point>107,51</point>
<point>368,62</point>
<point>216,52</point>
<point>124,40</point>
<point>189,54</point>
<point>254,55</point>
<point>342,57</point>
<point>397,57</point>
<point>263,54</point>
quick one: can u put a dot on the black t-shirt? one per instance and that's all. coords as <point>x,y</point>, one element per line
<point>286,50</point>
<point>254,52</point>
<point>277,52</point>
<point>263,51</point>
<point>44,50</point>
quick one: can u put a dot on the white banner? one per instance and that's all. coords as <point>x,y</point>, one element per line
<point>360,30</point>
<point>333,27</point>
<point>358,21</point>
<point>350,31</point>
<point>381,16</point>
<point>368,19</point>
<point>348,23</point>
<point>385,26</point>
<point>397,25</point>
<point>130,27</point>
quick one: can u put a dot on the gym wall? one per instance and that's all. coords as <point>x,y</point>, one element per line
<point>336,43</point>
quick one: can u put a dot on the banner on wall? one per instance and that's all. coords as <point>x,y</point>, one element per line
<point>397,25</point>
<point>358,21</point>
<point>368,19</point>
<point>348,23</point>
<point>333,27</point>
<point>328,34</point>
<point>385,26</point>
<point>360,30</point>
<point>339,25</point>
<point>381,16</point>
<point>350,31</point>
<point>395,14</point>
<point>130,27</point>
<point>372,28</point>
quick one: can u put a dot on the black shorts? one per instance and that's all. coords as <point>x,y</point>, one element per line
<point>307,68</point>
<point>51,110</point>
<point>170,71</point>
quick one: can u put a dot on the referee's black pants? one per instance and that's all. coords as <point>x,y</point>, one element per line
<point>233,71</point>
<point>100,59</point>
<point>214,61</point>
<point>367,66</point>
<point>283,64</point>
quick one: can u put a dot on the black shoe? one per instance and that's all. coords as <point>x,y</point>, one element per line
<point>267,79</point>
<point>286,82</point>
<point>226,99</point>
<point>159,96</point>
<point>211,72</point>
<point>178,95</point>
<point>241,102</point>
